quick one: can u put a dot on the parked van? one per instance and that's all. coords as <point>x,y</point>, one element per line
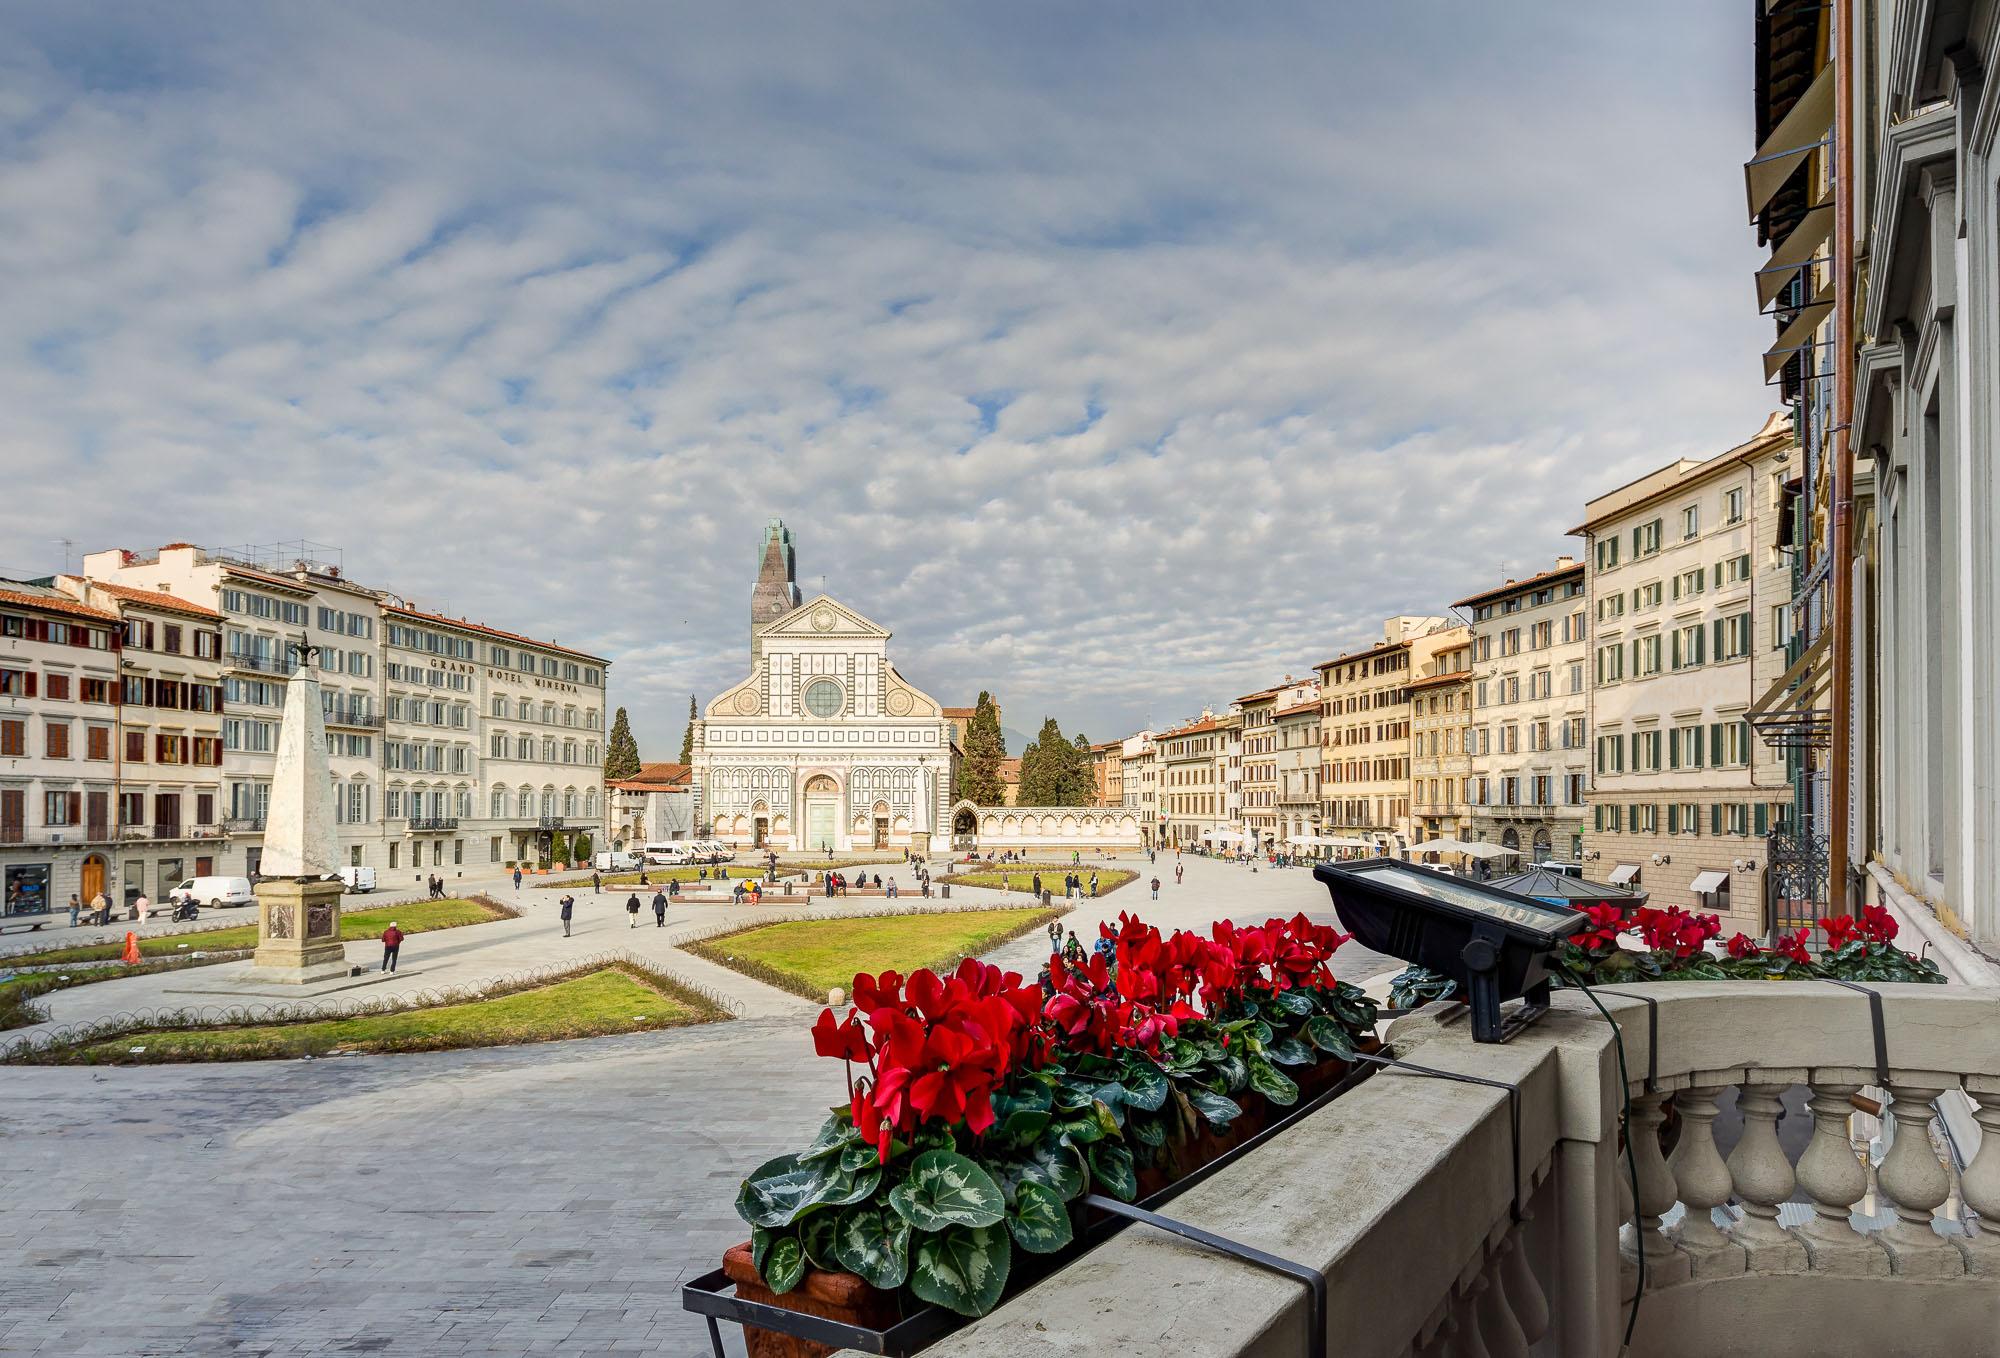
<point>214,892</point>
<point>613,861</point>
<point>719,852</point>
<point>668,855</point>
<point>356,878</point>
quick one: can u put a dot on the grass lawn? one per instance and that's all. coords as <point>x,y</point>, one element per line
<point>1021,877</point>
<point>810,957</point>
<point>17,992</point>
<point>412,917</point>
<point>612,999</point>
<point>656,876</point>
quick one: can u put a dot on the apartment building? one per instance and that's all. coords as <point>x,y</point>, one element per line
<point>1140,783</point>
<point>1687,588</point>
<point>1440,734</point>
<point>1530,760</point>
<point>1107,773</point>
<point>1229,778</point>
<point>450,743</point>
<point>1192,761</point>
<point>1295,757</point>
<point>1365,732</point>
<point>654,806</point>
<point>1262,819</point>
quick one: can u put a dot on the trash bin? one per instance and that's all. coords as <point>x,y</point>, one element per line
<point>945,891</point>
<point>1045,898</point>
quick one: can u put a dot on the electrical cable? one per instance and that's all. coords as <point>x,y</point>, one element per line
<point>1631,1155</point>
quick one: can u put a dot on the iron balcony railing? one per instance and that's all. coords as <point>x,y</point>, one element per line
<point>420,824</point>
<point>242,825</point>
<point>552,823</point>
<point>363,721</point>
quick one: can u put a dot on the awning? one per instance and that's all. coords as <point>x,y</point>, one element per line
<point>1798,134</point>
<point>1812,232</point>
<point>1623,873</point>
<point>1708,883</point>
<point>1794,709</point>
<point>1796,335</point>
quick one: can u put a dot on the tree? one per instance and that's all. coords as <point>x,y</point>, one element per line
<point>985,747</point>
<point>582,848</point>
<point>1055,770</point>
<point>687,734</point>
<point>621,752</point>
<point>559,848</point>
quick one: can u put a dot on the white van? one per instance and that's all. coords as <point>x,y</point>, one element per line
<point>214,892</point>
<point>668,855</point>
<point>356,878</point>
<point>613,861</point>
<point>719,852</point>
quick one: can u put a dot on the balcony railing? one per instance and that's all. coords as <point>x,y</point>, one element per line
<point>93,832</point>
<point>552,822</point>
<point>261,664</point>
<point>426,824</point>
<point>242,825</point>
<point>360,721</point>
<point>1832,1188</point>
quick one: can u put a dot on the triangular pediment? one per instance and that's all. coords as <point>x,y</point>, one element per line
<point>823,616</point>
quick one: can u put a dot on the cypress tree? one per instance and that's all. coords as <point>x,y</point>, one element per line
<point>621,751</point>
<point>687,734</point>
<point>985,747</point>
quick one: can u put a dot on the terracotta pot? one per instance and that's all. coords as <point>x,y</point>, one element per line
<point>836,1296</point>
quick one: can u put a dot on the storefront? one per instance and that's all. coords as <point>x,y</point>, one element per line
<point>26,887</point>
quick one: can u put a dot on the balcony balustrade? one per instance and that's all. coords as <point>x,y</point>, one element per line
<point>259,664</point>
<point>1818,1194</point>
<point>358,721</point>
<point>243,825</point>
<point>430,824</point>
<point>552,823</point>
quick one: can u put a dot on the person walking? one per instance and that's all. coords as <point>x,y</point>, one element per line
<point>1178,870</point>
<point>392,943</point>
<point>100,909</point>
<point>1038,886</point>
<point>75,909</point>
<point>632,911</point>
<point>1156,888</point>
<point>596,884</point>
<point>142,909</point>
<point>517,879</point>
<point>659,909</point>
<point>568,908</point>
<point>1093,884</point>
<point>828,879</point>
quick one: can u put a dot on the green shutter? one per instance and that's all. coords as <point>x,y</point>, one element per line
<point>1635,750</point>
<point>1677,650</point>
<point>1673,749</point>
<point>1762,818</point>
<point>1597,816</point>
<point>1715,819</point>
<point>1673,818</point>
<point>1715,758</point>
<point>1600,758</point>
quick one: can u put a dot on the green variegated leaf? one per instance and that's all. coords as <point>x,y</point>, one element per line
<point>1079,1131</point>
<point>816,1234</point>
<point>835,1134</point>
<point>785,1266</point>
<point>1330,1037</point>
<point>1289,1051</point>
<point>1039,1222</point>
<point>760,1245</point>
<point>1058,1166</point>
<point>934,1139</point>
<point>857,1158</point>
<point>1147,1131</point>
<point>1112,1166</point>
<point>1234,1073</point>
<point>1262,1031</point>
<point>962,1268</point>
<point>1294,1001</point>
<point>1272,1083</point>
<point>1218,1109</point>
<point>946,1189</point>
<point>776,1190</point>
<point>1145,1089</point>
<point>873,1243</point>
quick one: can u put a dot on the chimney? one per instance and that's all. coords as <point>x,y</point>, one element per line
<point>1563,563</point>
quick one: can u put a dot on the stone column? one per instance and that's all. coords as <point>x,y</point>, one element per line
<point>298,913</point>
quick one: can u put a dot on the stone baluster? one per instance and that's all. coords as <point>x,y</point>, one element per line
<point>1835,1177</point>
<point>1466,1340</point>
<point>1525,1296</point>
<point>1763,1178</point>
<point>1498,1325</point>
<point>1657,1192</point>
<point>1980,1184</point>
<point>1704,1184</point>
<point>1915,1182</point>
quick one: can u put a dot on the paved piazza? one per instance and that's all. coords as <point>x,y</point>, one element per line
<point>539,1199</point>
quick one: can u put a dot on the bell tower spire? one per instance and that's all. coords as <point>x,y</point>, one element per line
<point>776,592</point>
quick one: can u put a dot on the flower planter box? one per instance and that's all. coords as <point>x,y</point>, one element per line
<point>832,1296</point>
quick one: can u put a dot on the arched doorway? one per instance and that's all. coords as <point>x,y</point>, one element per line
<point>879,820</point>
<point>93,877</point>
<point>822,795</point>
<point>1544,845</point>
<point>964,828</point>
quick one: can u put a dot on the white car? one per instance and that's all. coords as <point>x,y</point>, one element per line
<point>214,892</point>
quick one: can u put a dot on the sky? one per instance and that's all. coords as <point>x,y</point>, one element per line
<point>1120,358</point>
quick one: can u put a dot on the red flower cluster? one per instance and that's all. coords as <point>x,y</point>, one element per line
<point>936,1048</point>
<point>1271,957</point>
<point>1606,923</point>
<point>1091,1014</point>
<point>1674,930</point>
<point>1793,945</point>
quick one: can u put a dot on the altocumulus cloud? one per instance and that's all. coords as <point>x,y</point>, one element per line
<point>1120,357</point>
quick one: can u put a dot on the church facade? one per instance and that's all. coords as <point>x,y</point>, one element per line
<point>824,746</point>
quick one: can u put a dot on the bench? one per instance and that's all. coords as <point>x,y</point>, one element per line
<point>22,926</point>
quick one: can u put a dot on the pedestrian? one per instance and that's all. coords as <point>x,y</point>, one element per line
<point>75,909</point>
<point>828,879</point>
<point>892,888</point>
<point>392,943</point>
<point>1093,885</point>
<point>517,879</point>
<point>1156,888</point>
<point>673,886</point>
<point>142,909</point>
<point>659,909</point>
<point>1178,870</point>
<point>632,911</point>
<point>1072,950</point>
<point>596,884</point>
<point>100,909</point>
<point>568,908</point>
<point>1038,886</point>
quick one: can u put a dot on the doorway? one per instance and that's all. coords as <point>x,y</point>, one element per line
<point>822,813</point>
<point>881,832</point>
<point>93,877</point>
<point>760,832</point>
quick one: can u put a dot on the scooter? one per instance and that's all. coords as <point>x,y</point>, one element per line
<point>186,910</point>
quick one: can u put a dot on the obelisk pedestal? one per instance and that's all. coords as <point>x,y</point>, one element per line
<point>298,911</point>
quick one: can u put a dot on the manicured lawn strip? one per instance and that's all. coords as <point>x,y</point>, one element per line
<point>657,876</point>
<point>412,917</point>
<point>17,992</point>
<point>619,998</point>
<point>810,957</point>
<point>1021,877</point>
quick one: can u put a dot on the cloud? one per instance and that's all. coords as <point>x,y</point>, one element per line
<point>1118,358</point>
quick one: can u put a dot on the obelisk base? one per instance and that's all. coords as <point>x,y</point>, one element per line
<point>298,932</point>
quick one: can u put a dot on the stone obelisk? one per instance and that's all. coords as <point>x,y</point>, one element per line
<point>298,912</point>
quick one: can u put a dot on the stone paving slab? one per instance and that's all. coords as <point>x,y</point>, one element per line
<point>504,1201</point>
